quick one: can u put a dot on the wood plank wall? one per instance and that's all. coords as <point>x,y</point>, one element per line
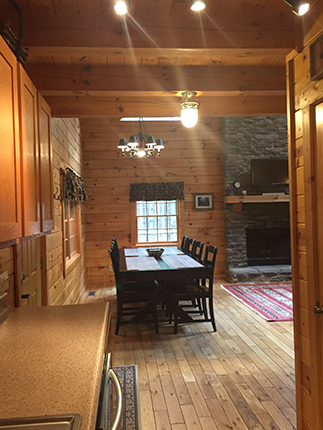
<point>67,152</point>
<point>190,155</point>
<point>302,93</point>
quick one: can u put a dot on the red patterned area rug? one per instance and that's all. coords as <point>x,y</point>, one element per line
<point>274,302</point>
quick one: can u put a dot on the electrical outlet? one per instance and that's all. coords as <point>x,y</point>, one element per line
<point>4,282</point>
<point>110,268</point>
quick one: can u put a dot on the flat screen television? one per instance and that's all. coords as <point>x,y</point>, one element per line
<point>269,175</point>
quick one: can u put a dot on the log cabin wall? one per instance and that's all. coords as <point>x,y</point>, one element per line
<point>190,155</point>
<point>67,152</point>
<point>303,95</point>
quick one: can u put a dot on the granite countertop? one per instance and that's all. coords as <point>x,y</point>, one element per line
<point>51,361</point>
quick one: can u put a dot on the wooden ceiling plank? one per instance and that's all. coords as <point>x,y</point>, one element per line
<point>185,38</point>
<point>163,79</point>
<point>151,52</point>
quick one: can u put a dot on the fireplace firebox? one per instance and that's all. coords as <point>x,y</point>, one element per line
<point>268,246</point>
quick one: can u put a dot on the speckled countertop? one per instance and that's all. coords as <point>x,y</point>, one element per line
<point>51,361</point>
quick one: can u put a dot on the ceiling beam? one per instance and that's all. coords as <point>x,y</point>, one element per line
<point>235,104</point>
<point>163,32</point>
<point>54,80</point>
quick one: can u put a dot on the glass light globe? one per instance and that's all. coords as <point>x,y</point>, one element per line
<point>189,117</point>
<point>120,7</point>
<point>197,6</point>
<point>303,9</point>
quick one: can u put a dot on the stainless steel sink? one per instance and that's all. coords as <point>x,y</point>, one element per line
<point>48,422</point>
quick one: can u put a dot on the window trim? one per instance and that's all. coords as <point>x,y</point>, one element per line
<point>179,204</point>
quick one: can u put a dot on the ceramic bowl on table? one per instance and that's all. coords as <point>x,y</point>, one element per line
<point>155,252</point>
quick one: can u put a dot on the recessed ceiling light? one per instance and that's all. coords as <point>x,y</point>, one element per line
<point>121,7</point>
<point>197,5</point>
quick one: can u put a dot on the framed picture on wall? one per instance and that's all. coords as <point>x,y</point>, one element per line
<point>203,201</point>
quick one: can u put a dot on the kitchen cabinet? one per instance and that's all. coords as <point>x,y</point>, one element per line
<point>29,149</point>
<point>26,175</point>
<point>46,168</point>
<point>10,197</point>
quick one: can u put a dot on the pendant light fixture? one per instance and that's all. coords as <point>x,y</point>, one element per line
<point>197,5</point>
<point>189,109</point>
<point>300,7</point>
<point>146,147</point>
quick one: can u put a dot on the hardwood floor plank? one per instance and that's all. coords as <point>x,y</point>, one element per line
<point>240,377</point>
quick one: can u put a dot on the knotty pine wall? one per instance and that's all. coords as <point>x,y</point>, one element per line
<point>67,152</point>
<point>303,95</point>
<point>190,155</point>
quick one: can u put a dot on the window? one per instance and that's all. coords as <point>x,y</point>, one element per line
<point>72,246</point>
<point>157,221</point>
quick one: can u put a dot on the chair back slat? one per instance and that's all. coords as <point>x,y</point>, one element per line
<point>116,270</point>
<point>190,246</point>
<point>183,245</point>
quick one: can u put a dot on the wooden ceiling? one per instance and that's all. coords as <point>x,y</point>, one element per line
<point>87,61</point>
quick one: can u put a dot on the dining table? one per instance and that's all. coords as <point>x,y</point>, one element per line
<point>173,265</point>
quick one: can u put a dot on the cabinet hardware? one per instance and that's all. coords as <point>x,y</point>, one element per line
<point>25,296</point>
<point>22,276</point>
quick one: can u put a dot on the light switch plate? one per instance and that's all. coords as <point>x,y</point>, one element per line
<point>4,282</point>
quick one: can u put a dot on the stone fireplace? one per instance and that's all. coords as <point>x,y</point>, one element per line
<point>257,237</point>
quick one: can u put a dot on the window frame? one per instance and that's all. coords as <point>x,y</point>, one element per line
<point>166,243</point>
<point>71,258</point>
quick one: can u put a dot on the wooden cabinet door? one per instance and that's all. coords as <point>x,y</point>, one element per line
<point>29,154</point>
<point>10,199</point>
<point>31,271</point>
<point>46,171</point>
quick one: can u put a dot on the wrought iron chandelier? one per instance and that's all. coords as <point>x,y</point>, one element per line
<point>146,147</point>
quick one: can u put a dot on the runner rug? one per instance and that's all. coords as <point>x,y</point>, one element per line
<point>274,302</point>
<point>128,378</point>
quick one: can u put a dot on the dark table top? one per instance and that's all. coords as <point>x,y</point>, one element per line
<point>136,264</point>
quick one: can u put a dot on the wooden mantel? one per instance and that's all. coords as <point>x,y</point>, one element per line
<point>263,198</point>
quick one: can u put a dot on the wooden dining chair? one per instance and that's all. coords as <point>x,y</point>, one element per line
<point>195,292</point>
<point>190,246</point>
<point>183,244</point>
<point>143,296</point>
<point>198,250</point>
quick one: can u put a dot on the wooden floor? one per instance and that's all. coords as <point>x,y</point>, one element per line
<point>241,377</point>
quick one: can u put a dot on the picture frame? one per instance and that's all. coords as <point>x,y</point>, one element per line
<point>316,59</point>
<point>203,201</point>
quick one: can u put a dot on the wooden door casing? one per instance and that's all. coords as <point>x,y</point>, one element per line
<point>46,169</point>
<point>29,154</point>
<point>10,197</point>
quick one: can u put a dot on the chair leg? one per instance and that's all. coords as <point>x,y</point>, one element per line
<point>119,312</point>
<point>175,305</point>
<point>212,313</point>
<point>155,314</point>
<point>204,308</point>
